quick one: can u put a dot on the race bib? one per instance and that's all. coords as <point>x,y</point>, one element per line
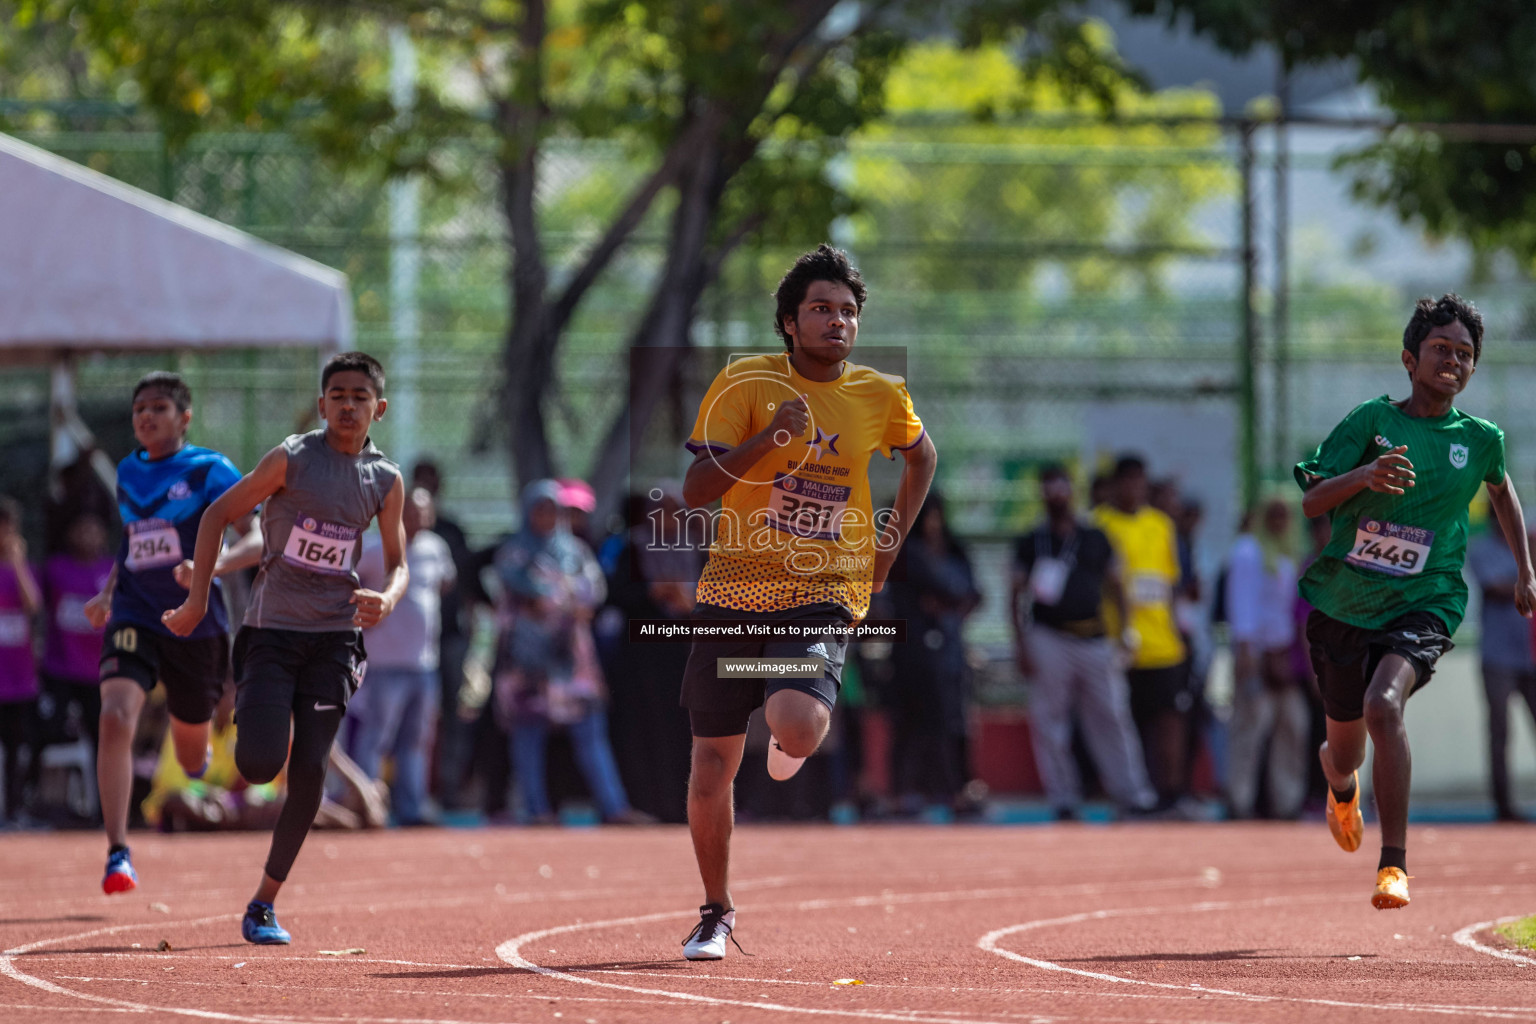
<point>1048,579</point>
<point>152,544</point>
<point>321,547</point>
<point>1150,588</point>
<point>15,630</point>
<point>808,508</point>
<point>1390,548</point>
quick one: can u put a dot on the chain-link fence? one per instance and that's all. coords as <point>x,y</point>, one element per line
<point>1062,294</point>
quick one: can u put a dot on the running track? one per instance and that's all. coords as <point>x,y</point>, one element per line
<point>944,925</point>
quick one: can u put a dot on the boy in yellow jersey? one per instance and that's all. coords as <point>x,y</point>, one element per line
<point>785,441</point>
<point>1145,541</point>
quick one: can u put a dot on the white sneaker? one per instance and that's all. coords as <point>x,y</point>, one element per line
<point>780,765</point>
<point>707,940</point>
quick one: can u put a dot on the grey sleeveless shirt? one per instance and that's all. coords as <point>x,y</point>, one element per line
<point>312,531</point>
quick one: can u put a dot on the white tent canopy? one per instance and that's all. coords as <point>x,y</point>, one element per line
<point>88,263</point>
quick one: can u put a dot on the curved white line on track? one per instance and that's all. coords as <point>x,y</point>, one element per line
<point>511,952</point>
<point>1464,937</point>
<point>989,943</point>
<point>9,969</point>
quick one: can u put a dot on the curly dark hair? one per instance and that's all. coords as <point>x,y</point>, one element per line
<point>824,263</point>
<point>1430,313</point>
<point>362,362</point>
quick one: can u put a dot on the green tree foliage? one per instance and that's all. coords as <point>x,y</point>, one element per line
<point>728,112</point>
<point>1466,64</point>
<point>925,184</point>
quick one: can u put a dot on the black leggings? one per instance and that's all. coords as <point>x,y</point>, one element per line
<point>17,730</point>
<point>261,747</point>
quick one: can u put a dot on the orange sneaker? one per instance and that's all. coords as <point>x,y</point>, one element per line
<point>1391,889</point>
<point>1345,820</point>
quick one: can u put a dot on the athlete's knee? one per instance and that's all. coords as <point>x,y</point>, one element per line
<point>1382,713</point>
<point>118,720</point>
<point>800,735</point>
<point>711,773</point>
<point>256,765</point>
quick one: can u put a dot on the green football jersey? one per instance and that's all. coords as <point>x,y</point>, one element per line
<point>1390,554</point>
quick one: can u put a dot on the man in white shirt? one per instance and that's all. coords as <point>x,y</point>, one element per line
<point>1267,700</point>
<point>395,710</point>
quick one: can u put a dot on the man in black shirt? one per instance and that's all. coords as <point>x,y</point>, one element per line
<point>1063,572</point>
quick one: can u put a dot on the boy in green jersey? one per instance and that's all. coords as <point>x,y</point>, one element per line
<point>1395,479</point>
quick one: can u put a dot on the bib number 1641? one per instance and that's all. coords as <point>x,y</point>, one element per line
<point>321,547</point>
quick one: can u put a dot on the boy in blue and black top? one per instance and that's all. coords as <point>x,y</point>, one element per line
<point>163,488</point>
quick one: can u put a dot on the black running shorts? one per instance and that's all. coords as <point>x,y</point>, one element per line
<point>193,669</point>
<point>1158,690</point>
<point>281,666</point>
<point>721,706</point>
<point>1345,657</point>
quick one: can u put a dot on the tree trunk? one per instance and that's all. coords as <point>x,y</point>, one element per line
<point>658,345</point>
<point>528,357</point>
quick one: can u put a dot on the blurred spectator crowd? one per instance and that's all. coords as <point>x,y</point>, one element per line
<point>506,688</point>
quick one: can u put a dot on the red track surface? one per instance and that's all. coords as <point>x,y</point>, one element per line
<point>953,925</point>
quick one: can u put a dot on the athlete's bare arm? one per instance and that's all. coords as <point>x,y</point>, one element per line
<point>1506,505</point>
<point>1114,594</point>
<point>916,476</point>
<point>373,605</point>
<point>713,473</point>
<point>99,608</point>
<point>239,501</point>
<point>1018,615</point>
<point>1389,473</point>
<point>242,554</point>
<point>15,551</point>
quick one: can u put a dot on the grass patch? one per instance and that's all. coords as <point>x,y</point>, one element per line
<point>1522,932</point>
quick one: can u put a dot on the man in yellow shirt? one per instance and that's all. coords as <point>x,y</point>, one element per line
<point>1145,541</point>
<point>784,441</point>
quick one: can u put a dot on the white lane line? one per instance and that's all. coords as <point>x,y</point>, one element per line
<point>989,943</point>
<point>511,952</point>
<point>1465,937</point>
<point>9,969</point>
<point>55,1009</point>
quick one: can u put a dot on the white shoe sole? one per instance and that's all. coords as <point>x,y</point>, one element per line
<point>703,954</point>
<point>780,765</point>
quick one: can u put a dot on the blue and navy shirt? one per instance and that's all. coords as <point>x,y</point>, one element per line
<point>161,502</point>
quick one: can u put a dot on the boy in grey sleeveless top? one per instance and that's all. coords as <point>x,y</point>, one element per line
<point>299,655</point>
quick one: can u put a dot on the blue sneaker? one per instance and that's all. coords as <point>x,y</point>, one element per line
<point>120,876</point>
<point>260,926</point>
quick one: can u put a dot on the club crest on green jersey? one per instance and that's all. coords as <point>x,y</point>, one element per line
<point>1459,455</point>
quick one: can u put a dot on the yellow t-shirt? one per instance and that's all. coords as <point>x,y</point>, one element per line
<point>170,778</point>
<point>798,527</point>
<point>1149,558</point>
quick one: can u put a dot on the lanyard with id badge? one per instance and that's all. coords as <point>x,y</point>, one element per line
<point>1048,576</point>
<point>1390,547</point>
<point>320,546</point>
